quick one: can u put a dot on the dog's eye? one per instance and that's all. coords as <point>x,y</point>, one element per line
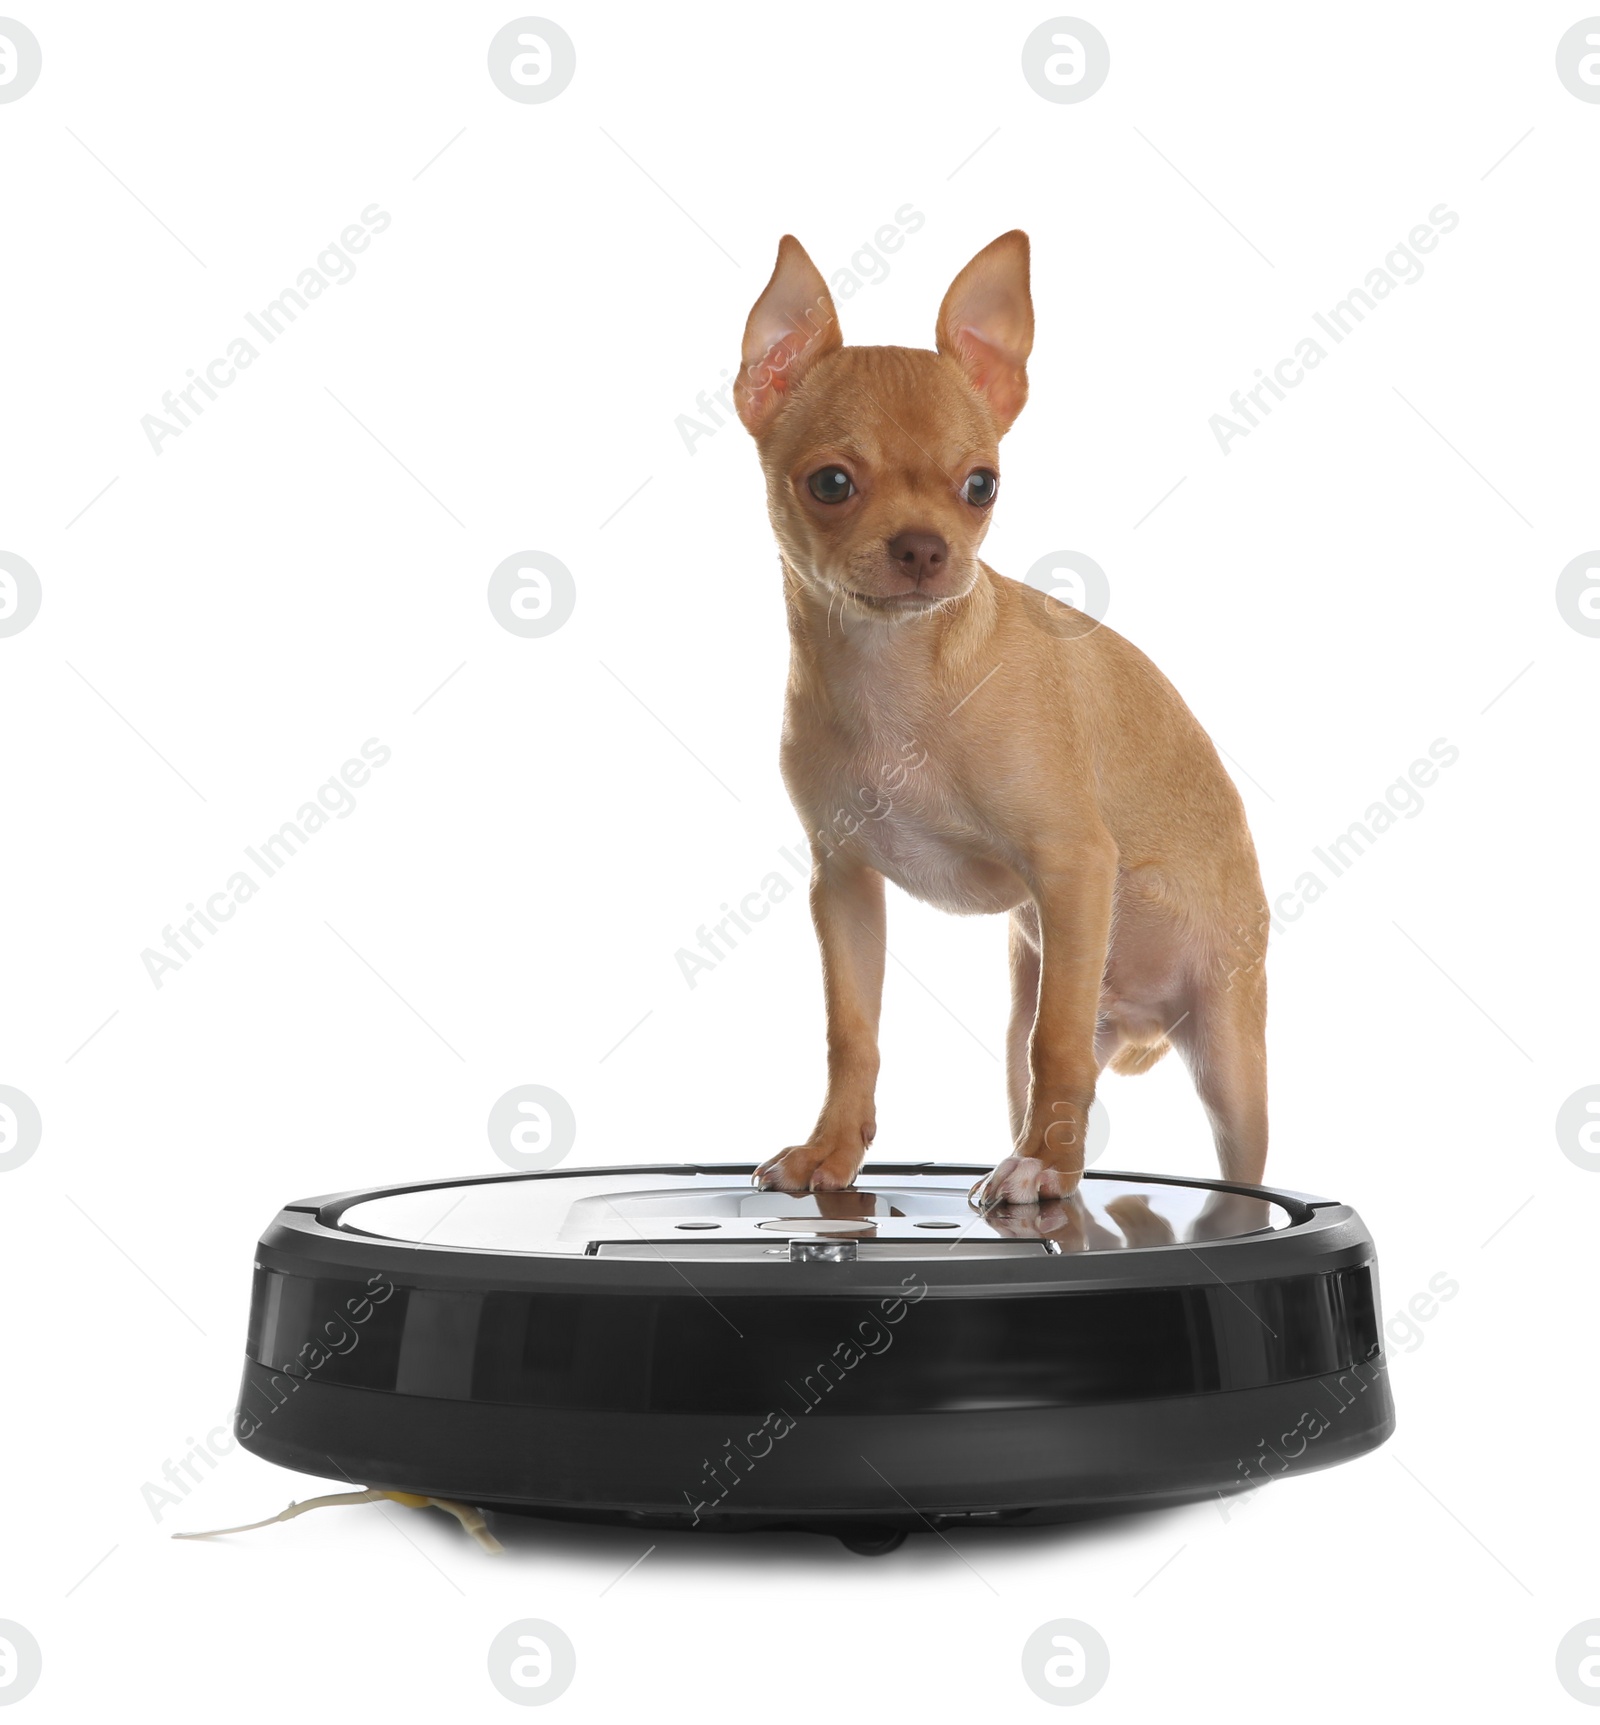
<point>830,485</point>
<point>981,487</point>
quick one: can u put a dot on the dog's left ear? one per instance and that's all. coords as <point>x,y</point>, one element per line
<point>986,325</point>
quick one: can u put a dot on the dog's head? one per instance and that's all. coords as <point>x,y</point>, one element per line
<point>882,463</point>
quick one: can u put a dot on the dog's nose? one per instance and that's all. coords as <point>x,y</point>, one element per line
<point>921,555</point>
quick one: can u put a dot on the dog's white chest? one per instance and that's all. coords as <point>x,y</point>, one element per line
<point>891,809</point>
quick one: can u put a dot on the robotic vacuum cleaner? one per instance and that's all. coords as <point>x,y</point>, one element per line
<point>668,1347</point>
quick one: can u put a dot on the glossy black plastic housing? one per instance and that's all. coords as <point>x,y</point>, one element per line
<point>898,1391</point>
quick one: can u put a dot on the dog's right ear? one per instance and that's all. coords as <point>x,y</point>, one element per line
<point>791,327</point>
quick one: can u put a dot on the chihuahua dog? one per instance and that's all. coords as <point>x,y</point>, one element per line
<point>986,747</point>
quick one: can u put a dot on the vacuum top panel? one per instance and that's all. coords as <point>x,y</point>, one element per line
<point>710,1214</point>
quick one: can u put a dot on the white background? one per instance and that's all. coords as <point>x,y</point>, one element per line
<point>232,618</point>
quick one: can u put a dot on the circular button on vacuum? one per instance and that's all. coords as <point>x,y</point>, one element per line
<point>697,1224</point>
<point>831,1227</point>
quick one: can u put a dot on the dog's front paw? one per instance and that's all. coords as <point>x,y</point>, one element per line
<point>810,1168</point>
<point>1066,1223</point>
<point>1024,1180</point>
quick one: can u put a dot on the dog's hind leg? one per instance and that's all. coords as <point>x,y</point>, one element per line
<point>1223,1041</point>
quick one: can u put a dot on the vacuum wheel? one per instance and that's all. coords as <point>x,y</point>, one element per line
<point>873,1541</point>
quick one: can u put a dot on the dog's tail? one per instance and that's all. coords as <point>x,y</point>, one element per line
<point>1136,1057</point>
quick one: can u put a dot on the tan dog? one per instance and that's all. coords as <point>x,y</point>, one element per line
<point>985,747</point>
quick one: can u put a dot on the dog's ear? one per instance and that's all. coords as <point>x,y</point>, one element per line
<point>986,324</point>
<point>790,328</point>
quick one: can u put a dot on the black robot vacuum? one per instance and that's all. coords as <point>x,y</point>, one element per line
<point>670,1348</point>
